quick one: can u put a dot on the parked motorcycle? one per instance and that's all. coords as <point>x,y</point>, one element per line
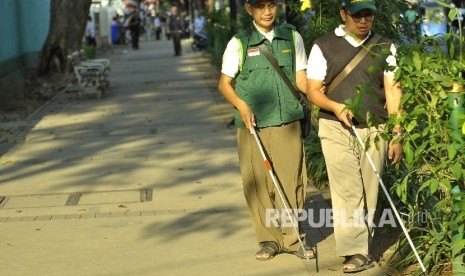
<point>200,42</point>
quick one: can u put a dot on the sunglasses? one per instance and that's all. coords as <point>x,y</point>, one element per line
<point>369,16</point>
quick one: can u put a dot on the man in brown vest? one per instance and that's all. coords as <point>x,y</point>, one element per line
<point>353,183</point>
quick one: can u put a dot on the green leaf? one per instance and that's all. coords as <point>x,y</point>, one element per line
<point>434,185</point>
<point>445,184</point>
<point>408,152</point>
<point>420,149</point>
<point>416,59</point>
<point>457,170</point>
<point>426,131</point>
<point>434,101</point>
<point>425,184</point>
<point>457,247</point>
<point>442,94</point>
<point>411,125</point>
<point>446,81</point>
<point>456,190</point>
<point>452,14</point>
<point>441,204</point>
<point>452,151</point>
<point>414,136</point>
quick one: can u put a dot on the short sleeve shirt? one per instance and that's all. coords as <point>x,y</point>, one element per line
<point>317,65</point>
<point>232,55</point>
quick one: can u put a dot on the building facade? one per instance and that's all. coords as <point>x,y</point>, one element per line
<point>24,27</point>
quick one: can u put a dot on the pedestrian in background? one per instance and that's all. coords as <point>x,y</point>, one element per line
<point>90,32</point>
<point>148,26</point>
<point>157,26</point>
<point>353,183</point>
<point>175,28</point>
<point>123,28</point>
<point>199,23</point>
<point>263,101</point>
<point>134,26</point>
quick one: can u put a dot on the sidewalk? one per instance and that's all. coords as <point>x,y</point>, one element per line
<point>144,181</point>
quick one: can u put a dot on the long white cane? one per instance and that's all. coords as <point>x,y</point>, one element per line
<point>387,195</point>
<point>278,188</point>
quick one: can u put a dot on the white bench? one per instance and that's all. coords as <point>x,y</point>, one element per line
<point>90,75</point>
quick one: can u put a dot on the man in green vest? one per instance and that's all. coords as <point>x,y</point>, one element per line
<point>263,101</point>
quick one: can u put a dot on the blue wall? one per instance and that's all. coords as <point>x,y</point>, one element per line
<point>24,27</point>
<point>34,24</point>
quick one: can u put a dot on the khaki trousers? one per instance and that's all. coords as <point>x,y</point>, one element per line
<point>353,183</point>
<point>283,145</point>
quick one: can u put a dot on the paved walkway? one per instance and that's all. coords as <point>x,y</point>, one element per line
<point>144,181</point>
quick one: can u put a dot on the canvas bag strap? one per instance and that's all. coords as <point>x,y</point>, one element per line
<point>351,65</point>
<point>280,72</point>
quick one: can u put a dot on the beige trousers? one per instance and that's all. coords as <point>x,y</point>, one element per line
<point>284,148</point>
<point>353,183</point>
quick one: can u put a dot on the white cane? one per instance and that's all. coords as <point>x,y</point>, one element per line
<point>278,188</point>
<point>387,195</point>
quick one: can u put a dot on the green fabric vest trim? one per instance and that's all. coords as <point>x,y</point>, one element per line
<point>260,86</point>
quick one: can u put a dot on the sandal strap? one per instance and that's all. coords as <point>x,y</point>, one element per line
<point>267,250</point>
<point>270,248</point>
<point>355,260</point>
<point>301,253</point>
<point>270,245</point>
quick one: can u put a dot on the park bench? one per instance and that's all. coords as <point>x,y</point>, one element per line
<point>90,76</point>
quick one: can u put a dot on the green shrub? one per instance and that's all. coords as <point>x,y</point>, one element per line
<point>89,51</point>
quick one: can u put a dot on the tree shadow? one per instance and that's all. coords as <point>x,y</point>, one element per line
<point>317,227</point>
<point>383,239</point>
<point>100,129</point>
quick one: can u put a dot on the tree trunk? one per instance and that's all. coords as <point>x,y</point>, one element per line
<point>67,25</point>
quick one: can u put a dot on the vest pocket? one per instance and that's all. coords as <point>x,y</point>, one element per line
<point>255,63</point>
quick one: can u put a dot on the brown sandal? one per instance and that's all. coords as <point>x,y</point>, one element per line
<point>270,247</point>
<point>309,252</point>
<point>360,263</point>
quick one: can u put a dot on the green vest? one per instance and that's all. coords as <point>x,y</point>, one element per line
<point>258,83</point>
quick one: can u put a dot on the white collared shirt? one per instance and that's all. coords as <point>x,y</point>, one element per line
<point>317,65</point>
<point>232,57</point>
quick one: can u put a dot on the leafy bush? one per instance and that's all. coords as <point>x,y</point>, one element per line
<point>89,51</point>
<point>220,29</point>
<point>431,179</point>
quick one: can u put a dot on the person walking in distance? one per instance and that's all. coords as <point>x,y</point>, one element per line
<point>263,101</point>
<point>157,26</point>
<point>90,32</point>
<point>134,27</point>
<point>175,27</point>
<point>353,183</point>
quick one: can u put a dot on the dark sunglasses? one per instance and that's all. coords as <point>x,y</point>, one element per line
<point>369,16</point>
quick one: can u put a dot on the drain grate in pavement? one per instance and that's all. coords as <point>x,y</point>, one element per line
<point>73,199</point>
<point>146,195</point>
<point>78,198</point>
<point>3,201</point>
